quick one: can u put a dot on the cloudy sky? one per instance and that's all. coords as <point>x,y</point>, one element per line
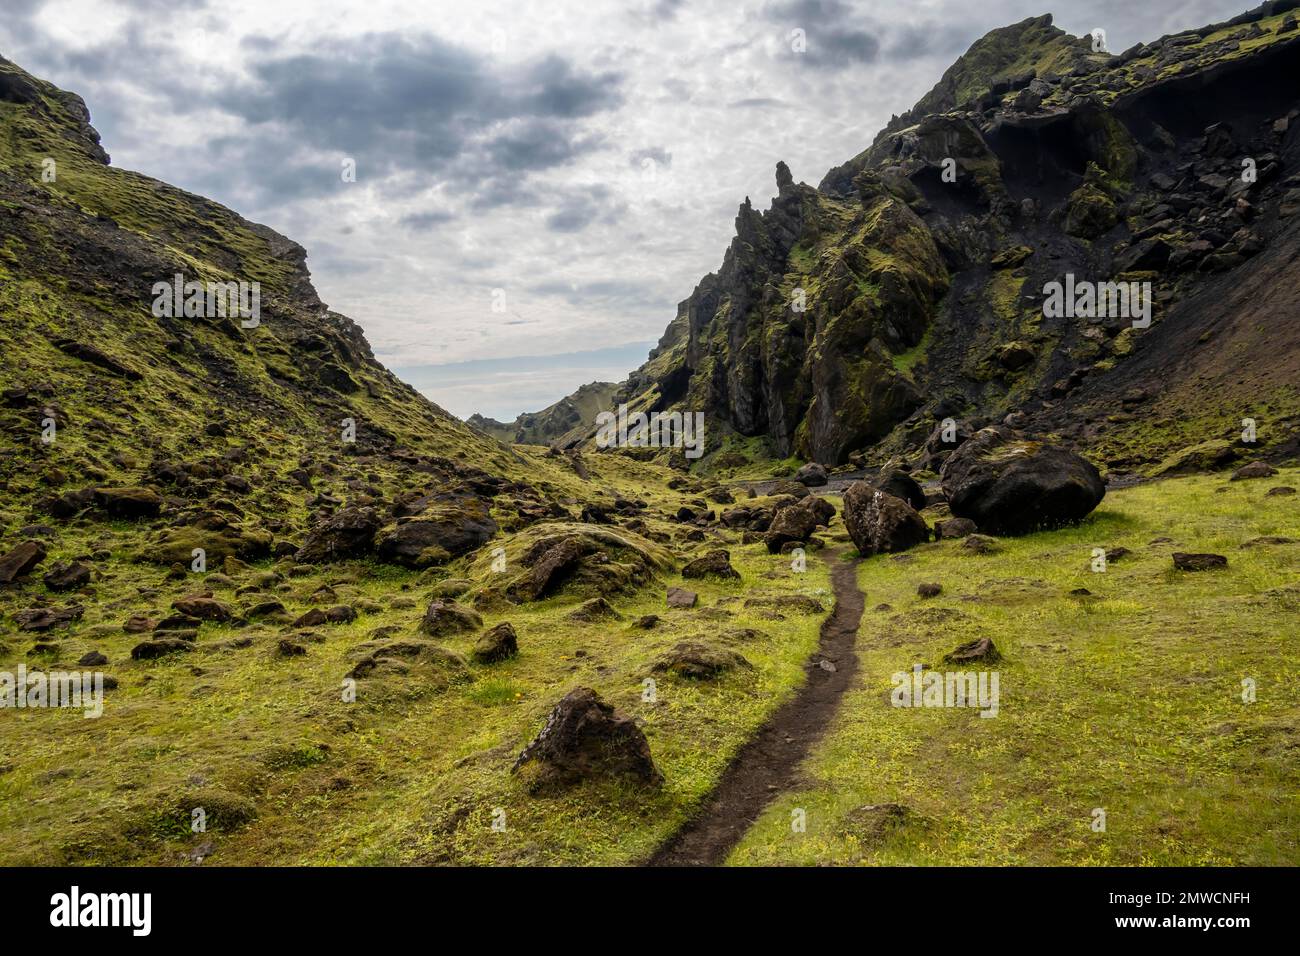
<point>537,182</point>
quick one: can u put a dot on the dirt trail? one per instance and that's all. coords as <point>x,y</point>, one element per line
<point>766,765</point>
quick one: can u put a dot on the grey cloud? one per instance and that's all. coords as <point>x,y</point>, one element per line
<point>656,154</point>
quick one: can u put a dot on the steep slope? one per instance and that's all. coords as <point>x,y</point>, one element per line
<point>913,283</point>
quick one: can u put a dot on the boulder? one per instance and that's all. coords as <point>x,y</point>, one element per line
<point>129,503</point>
<point>1198,562</point>
<point>498,644</point>
<point>448,617</point>
<point>160,647</point>
<point>203,608</point>
<point>716,563</point>
<point>980,650</point>
<point>880,523</point>
<point>811,475</point>
<point>47,618</point>
<point>348,534</point>
<point>699,661</point>
<point>1009,484</point>
<point>67,576</point>
<point>1255,469</point>
<point>954,528</point>
<point>21,560</point>
<point>794,523</point>
<point>893,481</point>
<point>438,534</point>
<point>680,597</point>
<point>585,738</point>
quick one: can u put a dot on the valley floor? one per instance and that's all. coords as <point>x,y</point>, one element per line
<point>1127,699</point>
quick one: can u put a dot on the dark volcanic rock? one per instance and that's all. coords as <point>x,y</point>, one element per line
<point>680,597</point>
<point>700,661</point>
<point>130,503</point>
<point>880,523</point>
<point>812,474</point>
<point>900,484</point>
<point>716,563</point>
<point>67,576</point>
<point>21,560</point>
<point>793,524</point>
<point>438,534</point>
<point>448,617</point>
<point>1256,469</point>
<point>585,738</point>
<point>982,650</point>
<point>150,650</point>
<point>1199,562</point>
<point>497,644</point>
<point>47,618</point>
<point>348,534</point>
<point>1009,484</point>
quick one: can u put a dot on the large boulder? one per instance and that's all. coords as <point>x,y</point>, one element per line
<point>585,738</point>
<point>348,534</point>
<point>879,523</point>
<point>812,475</point>
<point>893,481</point>
<point>1010,484</point>
<point>792,524</point>
<point>438,535</point>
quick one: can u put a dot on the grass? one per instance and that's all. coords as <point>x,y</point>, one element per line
<point>1128,700</point>
<point>411,772</point>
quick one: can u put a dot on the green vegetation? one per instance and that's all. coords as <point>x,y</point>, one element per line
<point>1128,698</point>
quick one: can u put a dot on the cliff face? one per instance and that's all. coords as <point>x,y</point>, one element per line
<point>909,285</point>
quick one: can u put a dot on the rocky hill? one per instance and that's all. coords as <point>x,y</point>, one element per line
<point>573,413</point>
<point>911,284</point>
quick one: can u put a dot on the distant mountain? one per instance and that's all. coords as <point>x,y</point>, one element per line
<point>573,413</point>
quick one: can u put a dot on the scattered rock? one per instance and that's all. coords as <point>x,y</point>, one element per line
<point>597,609</point>
<point>1255,469</point>
<point>716,563</point>
<point>954,528</point>
<point>700,661</point>
<point>680,597</point>
<point>982,650</point>
<point>203,608</point>
<point>348,534</point>
<point>160,647</point>
<point>811,475</point>
<point>92,659</point>
<point>929,590</point>
<point>47,618</point>
<point>1281,491</point>
<point>21,560</point>
<point>67,576</point>
<point>448,617</point>
<point>129,503</point>
<point>498,644</point>
<point>585,738</point>
<point>1198,562</point>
